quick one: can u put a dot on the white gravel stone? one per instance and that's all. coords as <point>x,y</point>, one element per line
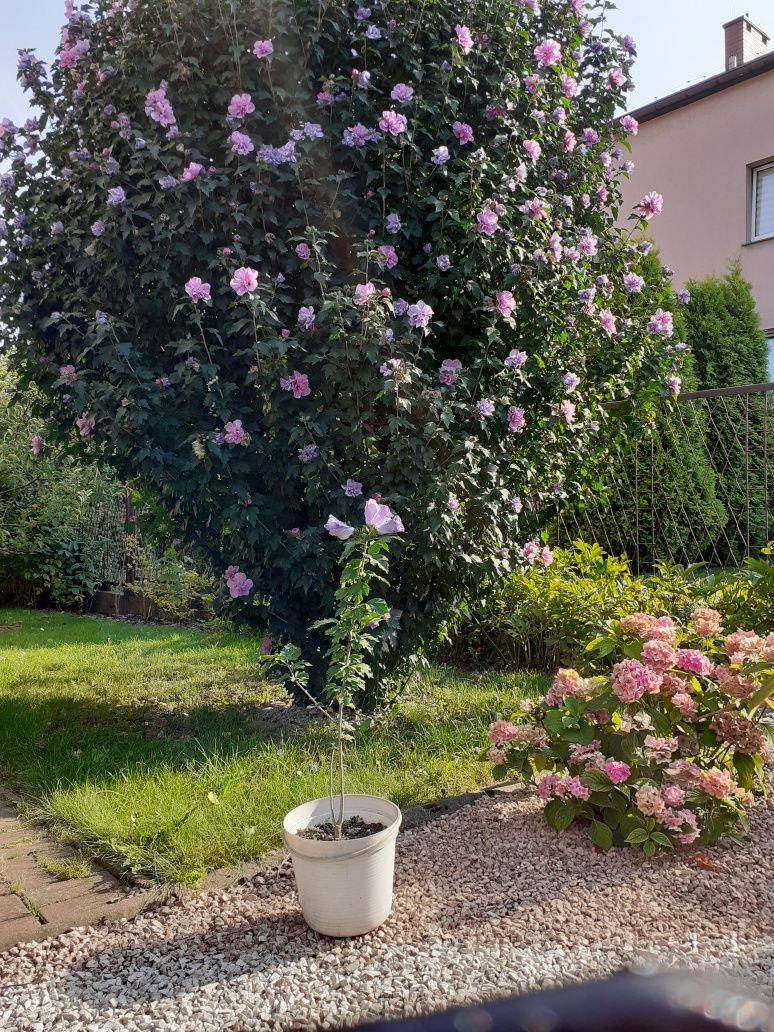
<point>489,902</point>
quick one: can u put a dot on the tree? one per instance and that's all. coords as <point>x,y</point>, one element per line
<point>729,350</point>
<point>272,259</point>
<point>724,332</point>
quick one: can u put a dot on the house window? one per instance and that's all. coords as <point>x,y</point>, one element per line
<point>763,202</point>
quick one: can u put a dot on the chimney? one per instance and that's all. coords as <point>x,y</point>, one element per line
<point>744,42</point>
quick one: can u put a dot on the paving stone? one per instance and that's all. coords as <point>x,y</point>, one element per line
<point>11,907</point>
<point>62,903</point>
<point>21,929</point>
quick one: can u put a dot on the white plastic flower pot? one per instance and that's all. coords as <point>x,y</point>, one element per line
<point>345,887</point>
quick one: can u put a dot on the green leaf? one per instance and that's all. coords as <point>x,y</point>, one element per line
<point>662,839</point>
<point>597,780</point>
<point>601,835</point>
<point>637,836</point>
<point>745,770</point>
<point>612,817</point>
<point>560,814</point>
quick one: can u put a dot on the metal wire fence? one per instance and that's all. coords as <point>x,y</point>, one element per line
<point>698,489</point>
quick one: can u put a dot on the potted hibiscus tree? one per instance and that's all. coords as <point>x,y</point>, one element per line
<point>343,845</point>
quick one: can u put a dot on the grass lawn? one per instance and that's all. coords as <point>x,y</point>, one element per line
<point>156,747</point>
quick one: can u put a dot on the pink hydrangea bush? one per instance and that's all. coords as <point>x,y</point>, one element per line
<point>664,750</point>
<point>379,242</point>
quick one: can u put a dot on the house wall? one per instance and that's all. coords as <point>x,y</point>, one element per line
<point>699,157</point>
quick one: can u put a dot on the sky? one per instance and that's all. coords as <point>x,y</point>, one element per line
<point>679,42</point>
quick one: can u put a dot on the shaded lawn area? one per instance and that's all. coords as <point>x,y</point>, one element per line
<point>158,749</point>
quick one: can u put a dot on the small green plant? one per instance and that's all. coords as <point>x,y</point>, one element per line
<point>64,870</point>
<point>18,888</point>
<point>665,750</point>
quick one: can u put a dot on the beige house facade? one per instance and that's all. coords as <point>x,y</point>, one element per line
<point>709,151</point>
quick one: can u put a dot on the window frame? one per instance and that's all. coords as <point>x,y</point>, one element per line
<point>765,167</point>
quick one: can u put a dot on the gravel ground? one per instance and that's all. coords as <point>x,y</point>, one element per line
<point>489,902</point>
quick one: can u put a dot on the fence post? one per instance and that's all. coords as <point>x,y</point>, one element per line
<point>636,508</point>
<point>747,473</point>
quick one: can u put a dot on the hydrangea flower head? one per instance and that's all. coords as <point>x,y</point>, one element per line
<point>632,680</point>
<point>706,622</point>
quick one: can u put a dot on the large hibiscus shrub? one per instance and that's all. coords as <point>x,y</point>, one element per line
<point>269,258</point>
<point>665,750</point>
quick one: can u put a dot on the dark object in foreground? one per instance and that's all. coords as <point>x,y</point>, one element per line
<point>625,1003</point>
<point>352,828</point>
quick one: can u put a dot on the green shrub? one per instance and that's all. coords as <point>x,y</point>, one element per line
<point>745,598</point>
<point>60,519</point>
<point>723,329</point>
<point>167,584</point>
<point>540,618</point>
<point>666,751</point>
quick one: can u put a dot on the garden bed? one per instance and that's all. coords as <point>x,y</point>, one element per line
<point>157,749</point>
